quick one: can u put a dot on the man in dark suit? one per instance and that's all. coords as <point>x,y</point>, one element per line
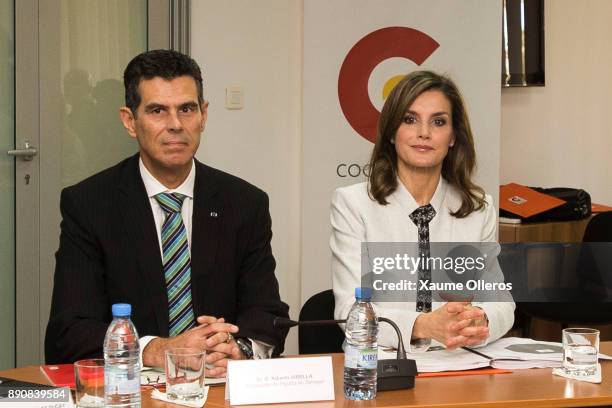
<point>186,245</point>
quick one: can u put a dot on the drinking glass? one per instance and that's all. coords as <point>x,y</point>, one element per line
<point>89,378</point>
<point>580,351</point>
<point>185,373</point>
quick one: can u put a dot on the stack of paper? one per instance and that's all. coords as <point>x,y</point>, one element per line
<point>443,360</point>
<point>155,376</point>
<point>507,353</point>
<point>518,353</point>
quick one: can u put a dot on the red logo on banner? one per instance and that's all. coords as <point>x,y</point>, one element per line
<point>361,60</point>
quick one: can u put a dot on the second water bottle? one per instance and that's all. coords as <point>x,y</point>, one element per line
<point>361,348</point>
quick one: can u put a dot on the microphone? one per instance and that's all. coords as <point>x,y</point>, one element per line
<point>392,374</point>
<point>463,275</point>
<point>286,323</point>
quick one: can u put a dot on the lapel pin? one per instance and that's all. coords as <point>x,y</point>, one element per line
<point>214,214</point>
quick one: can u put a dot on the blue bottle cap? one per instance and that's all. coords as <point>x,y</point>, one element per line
<point>363,293</point>
<point>122,310</point>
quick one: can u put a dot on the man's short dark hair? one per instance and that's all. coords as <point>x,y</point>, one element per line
<point>167,64</point>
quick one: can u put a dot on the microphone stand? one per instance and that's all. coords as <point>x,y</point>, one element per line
<point>401,352</point>
<point>392,374</point>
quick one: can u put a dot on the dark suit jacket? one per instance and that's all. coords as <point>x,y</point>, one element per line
<point>109,253</point>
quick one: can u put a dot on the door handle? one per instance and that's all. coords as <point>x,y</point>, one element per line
<point>27,153</point>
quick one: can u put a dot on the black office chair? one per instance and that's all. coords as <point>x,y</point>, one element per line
<point>319,339</point>
<point>588,300</point>
<point>599,229</point>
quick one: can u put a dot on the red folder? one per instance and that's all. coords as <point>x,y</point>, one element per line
<point>598,208</point>
<point>524,201</point>
<point>60,375</point>
<point>479,371</point>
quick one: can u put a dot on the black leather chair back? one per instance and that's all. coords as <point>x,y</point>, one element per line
<point>319,339</point>
<point>599,229</point>
<point>592,299</point>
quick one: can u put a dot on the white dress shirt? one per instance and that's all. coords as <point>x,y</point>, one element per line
<point>154,187</point>
<point>356,218</point>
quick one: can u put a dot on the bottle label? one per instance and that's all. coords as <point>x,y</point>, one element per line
<point>360,358</point>
<point>118,381</point>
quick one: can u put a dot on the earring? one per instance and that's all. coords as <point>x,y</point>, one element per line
<point>392,141</point>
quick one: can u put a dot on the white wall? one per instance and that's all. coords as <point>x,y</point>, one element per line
<point>559,135</point>
<point>257,45</point>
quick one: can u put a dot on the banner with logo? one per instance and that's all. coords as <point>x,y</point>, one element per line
<point>355,51</point>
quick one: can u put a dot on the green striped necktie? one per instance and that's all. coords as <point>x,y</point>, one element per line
<point>177,264</point>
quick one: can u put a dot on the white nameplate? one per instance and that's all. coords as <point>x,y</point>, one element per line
<point>279,380</point>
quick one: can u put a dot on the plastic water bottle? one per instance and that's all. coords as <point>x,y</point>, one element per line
<point>121,362</point>
<point>361,348</point>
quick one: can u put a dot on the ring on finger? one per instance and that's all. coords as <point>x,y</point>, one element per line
<point>229,338</point>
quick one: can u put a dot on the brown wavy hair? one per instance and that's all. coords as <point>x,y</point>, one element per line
<point>460,161</point>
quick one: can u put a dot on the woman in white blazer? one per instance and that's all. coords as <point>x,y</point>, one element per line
<point>422,163</point>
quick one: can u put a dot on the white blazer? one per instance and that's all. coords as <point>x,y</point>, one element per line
<point>356,218</point>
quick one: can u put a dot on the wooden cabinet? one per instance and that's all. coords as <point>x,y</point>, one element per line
<point>562,231</point>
